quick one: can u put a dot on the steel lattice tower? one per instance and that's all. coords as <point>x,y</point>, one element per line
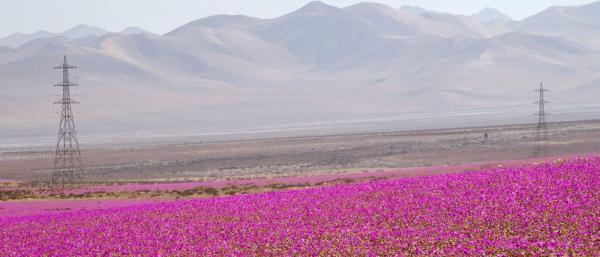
<point>67,162</point>
<point>542,140</point>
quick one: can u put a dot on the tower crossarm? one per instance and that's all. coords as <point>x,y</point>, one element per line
<point>66,102</point>
<point>66,84</point>
<point>65,66</point>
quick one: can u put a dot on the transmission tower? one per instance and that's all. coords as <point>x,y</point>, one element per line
<point>542,140</point>
<point>67,162</point>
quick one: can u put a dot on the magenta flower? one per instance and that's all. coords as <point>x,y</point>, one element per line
<point>550,209</point>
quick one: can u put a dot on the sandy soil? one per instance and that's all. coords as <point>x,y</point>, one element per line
<point>306,156</point>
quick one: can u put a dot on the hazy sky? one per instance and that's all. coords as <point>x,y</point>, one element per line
<point>161,16</point>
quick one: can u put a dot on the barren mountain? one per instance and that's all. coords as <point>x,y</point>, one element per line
<point>414,10</point>
<point>579,23</point>
<point>559,19</point>
<point>134,30</point>
<point>490,14</point>
<point>77,32</point>
<point>318,67</point>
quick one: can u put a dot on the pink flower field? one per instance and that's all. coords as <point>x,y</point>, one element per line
<point>550,209</point>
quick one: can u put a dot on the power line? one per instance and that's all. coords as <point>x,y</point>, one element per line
<point>67,162</point>
<point>542,139</point>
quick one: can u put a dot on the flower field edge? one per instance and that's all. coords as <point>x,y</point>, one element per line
<point>545,209</point>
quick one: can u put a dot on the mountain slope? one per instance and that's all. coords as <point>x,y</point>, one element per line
<point>515,59</point>
<point>386,20</point>
<point>560,19</point>
<point>317,35</point>
<point>490,14</point>
<point>81,31</point>
<point>578,23</point>
<point>414,10</point>
<point>319,66</point>
<point>18,39</point>
<point>77,32</point>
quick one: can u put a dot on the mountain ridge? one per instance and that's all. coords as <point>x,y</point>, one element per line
<point>318,65</point>
<point>490,14</point>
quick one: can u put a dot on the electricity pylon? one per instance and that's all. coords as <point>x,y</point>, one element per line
<point>67,161</point>
<point>542,140</point>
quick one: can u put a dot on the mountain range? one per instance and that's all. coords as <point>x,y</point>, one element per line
<point>77,32</point>
<point>319,66</point>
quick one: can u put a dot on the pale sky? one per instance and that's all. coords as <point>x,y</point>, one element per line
<point>161,16</point>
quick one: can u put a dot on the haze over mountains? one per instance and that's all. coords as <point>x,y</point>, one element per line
<point>315,67</point>
<point>77,32</point>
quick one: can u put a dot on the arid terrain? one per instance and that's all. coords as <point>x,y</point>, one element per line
<point>138,181</point>
<point>286,157</point>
